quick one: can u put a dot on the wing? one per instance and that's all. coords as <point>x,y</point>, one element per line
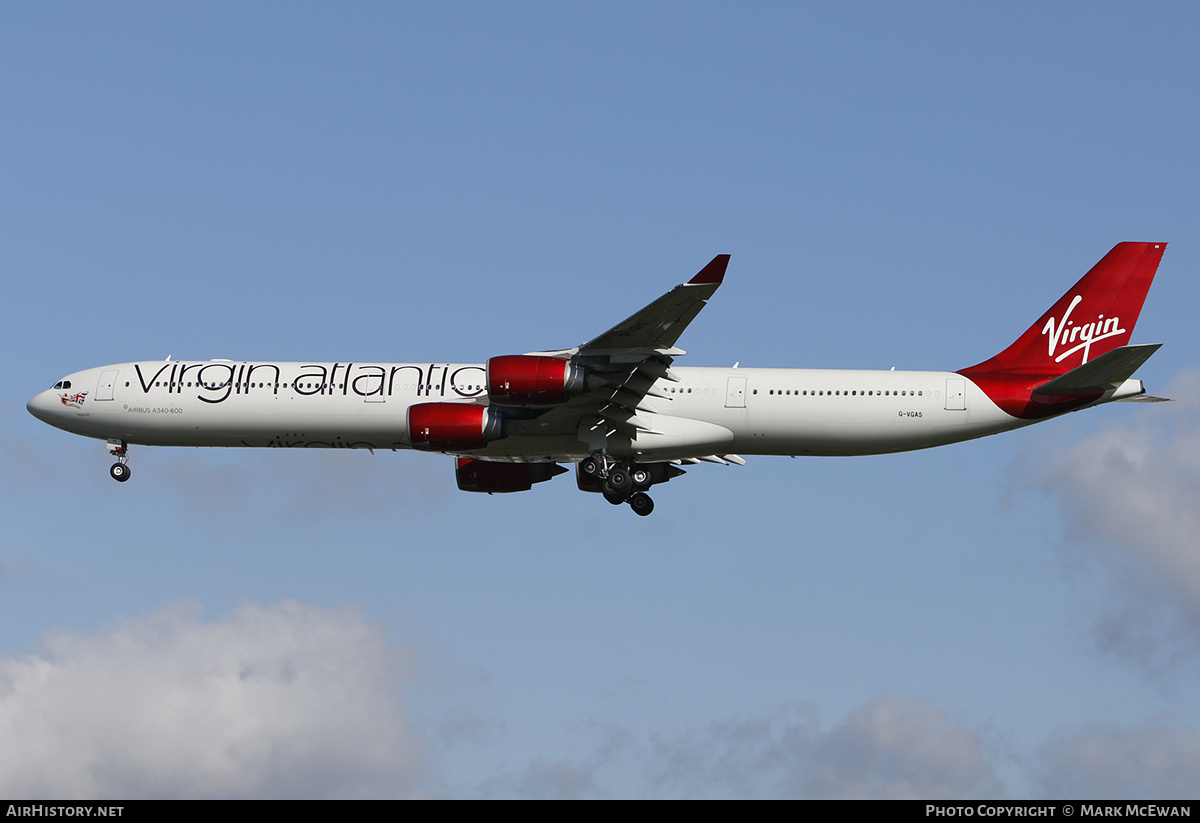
<point>623,364</point>
<point>653,331</point>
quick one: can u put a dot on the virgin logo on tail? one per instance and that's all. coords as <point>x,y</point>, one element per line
<point>1065,332</point>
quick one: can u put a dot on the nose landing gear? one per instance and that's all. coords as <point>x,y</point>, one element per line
<point>119,470</point>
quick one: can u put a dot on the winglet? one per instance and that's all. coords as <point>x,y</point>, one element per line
<point>714,272</point>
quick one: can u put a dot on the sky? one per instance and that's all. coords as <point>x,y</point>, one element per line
<point>899,185</point>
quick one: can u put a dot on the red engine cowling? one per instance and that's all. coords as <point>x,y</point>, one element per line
<point>498,478</point>
<point>452,426</point>
<point>532,380</point>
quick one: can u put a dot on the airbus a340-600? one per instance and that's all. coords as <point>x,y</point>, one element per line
<point>617,407</point>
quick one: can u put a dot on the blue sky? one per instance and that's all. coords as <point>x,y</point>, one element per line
<point>898,185</point>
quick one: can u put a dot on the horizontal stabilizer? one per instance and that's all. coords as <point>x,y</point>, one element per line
<point>1145,398</point>
<point>1105,373</point>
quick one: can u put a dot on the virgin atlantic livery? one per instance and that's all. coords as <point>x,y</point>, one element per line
<point>616,407</point>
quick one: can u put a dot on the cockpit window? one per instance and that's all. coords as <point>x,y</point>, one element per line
<point>63,384</point>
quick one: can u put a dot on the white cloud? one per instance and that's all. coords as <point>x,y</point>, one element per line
<point>1134,487</point>
<point>287,700</point>
<point>894,747</point>
<point>1153,762</point>
<point>890,747</point>
<point>291,700</point>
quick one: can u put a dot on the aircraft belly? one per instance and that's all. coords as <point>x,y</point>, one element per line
<point>520,449</point>
<point>267,420</point>
<point>670,438</point>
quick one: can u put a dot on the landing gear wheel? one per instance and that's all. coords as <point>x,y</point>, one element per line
<point>119,472</point>
<point>589,467</point>
<point>641,504</point>
<point>614,498</point>
<point>619,482</point>
<point>641,477</point>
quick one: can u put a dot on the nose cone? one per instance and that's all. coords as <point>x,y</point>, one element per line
<point>45,406</point>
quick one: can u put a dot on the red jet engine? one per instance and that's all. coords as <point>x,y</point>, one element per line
<point>452,426</point>
<point>498,478</point>
<point>532,380</point>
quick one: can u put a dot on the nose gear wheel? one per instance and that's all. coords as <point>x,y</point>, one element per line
<point>119,470</point>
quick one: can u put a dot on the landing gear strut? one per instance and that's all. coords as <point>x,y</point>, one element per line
<point>619,482</point>
<point>119,470</point>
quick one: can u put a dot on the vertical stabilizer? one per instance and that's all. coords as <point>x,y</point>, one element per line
<point>1094,317</point>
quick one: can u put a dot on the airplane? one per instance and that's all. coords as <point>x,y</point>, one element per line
<point>617,407</point>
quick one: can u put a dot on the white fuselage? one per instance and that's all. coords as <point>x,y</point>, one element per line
<point>364,405</point>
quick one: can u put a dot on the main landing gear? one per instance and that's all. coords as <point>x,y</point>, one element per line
<point>619,482</point>
<point>119,470</point>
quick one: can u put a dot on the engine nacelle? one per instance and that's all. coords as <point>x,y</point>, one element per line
<point>499,478</point>
<point>452,426</point>
<point>533,380</point>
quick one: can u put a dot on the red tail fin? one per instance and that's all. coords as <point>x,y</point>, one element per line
<point>1095,316</point>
